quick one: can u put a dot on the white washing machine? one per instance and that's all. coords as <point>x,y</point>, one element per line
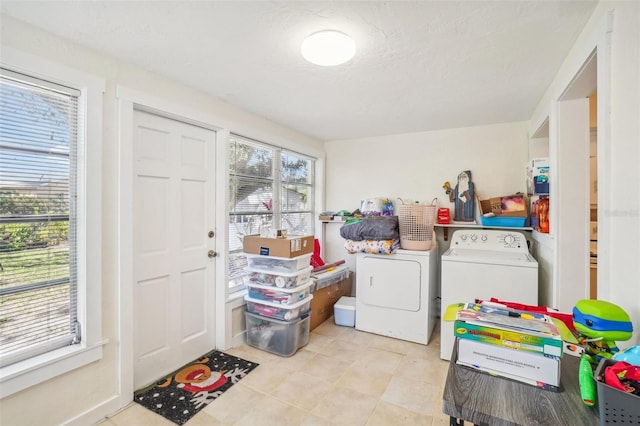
<point>481,264</point>
<point>396,294</point>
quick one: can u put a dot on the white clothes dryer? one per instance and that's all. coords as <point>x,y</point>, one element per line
<point>396,294</point>
<point>481,264</point>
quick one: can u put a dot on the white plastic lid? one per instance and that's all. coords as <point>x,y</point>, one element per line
<point>346,302</point>
<point>281,289</point>
<point>281,274</point>
<point>280,305</point>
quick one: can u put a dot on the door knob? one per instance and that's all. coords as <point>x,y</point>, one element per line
<point>212,253</point>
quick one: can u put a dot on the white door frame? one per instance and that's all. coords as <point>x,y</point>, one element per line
<point>129,100</point>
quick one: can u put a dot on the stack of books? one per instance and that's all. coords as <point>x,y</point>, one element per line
<point>517,345</point>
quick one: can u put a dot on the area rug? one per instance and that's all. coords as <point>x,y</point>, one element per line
<point>181,394</point>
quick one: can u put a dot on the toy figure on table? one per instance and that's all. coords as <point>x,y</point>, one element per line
<point>598,324</point>
<point>463,197</point>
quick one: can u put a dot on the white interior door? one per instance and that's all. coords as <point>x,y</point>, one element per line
<point>174,218</point>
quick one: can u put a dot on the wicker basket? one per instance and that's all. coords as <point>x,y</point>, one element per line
<point>615,406</point>
<point>416,226</point>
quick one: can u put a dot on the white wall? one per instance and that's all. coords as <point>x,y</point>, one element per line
<point>416,165</point>
<point>87,394</point>
<point>618,150</point>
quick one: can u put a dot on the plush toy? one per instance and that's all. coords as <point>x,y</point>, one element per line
<point>598,324</point>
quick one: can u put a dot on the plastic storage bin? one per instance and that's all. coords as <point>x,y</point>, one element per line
<point>278,311</point>
<point>284,296</point>
<point>614,405</point>
<point>344,311</point>
<point>282,338</point>
<point>324,279</point>
<point>278,264</point>
<point>277,279</point>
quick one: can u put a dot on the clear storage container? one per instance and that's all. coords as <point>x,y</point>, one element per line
<point>279,264</point>
<point>277,279</point>
<point>324,279</point>
<point>278,311</point>
<point>283,296</point>
<point>282,338</point>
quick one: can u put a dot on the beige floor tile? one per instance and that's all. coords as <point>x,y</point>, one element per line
<point>427,370</point>
<point>330,329</point>
<point>413,395</point>
<point>266,377</point>
<point>302,390</point>
<point>312,420</point>
<point>136,414</point>
<point>386,414</point>
<point>346,407</point>
<point>272,412</point>
<point>381,360</point>
<point>249,353</point>
<point>440,420</point>
<point>204,419</point>
<point>356,336</point>
<point>392,345</point>
<point>317,341</point>
<point>325,367</point>
<point>297,360</point>
<point>233,404</point>
<point>343,376</point>
<point>343,350</point>
<point>363,378</point>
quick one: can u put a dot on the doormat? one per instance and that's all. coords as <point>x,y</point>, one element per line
<point>183,393</point>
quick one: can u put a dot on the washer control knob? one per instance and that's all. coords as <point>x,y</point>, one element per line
<point>484,237</point>
<point>463,237</point>
<point>474,237</point>
<point>509,239</point>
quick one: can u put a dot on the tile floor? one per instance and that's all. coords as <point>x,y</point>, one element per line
<point>341,377</point>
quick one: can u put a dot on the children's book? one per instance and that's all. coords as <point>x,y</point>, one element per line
<point>508,319</point>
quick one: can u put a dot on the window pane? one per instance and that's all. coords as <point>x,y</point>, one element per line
<point>296,198</point>
<point>38,136</point>
<point>298,223</point>
<point>241,225</point>
<point>296,168</point>
<point>250,195</point>
<point>246,159</point>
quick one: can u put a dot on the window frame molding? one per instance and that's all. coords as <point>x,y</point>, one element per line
<point>239,291</point>
<point>30,372</point>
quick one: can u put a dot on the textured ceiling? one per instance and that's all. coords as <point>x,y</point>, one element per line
<point>419,65</point>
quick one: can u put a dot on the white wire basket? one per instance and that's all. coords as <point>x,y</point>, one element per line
<point>416,225</point>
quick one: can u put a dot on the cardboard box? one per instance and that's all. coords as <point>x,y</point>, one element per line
<point>514,364</point>
<point>324,299</point>
<point>291,246</point>
<point>509,211</point>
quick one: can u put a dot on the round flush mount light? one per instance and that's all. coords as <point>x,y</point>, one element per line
<point>328,48</point>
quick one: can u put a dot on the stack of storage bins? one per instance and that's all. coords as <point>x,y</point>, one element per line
<point>278,303</point>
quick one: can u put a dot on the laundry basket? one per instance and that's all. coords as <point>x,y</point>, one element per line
<point>416,225</point>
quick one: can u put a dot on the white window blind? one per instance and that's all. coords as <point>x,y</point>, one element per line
<point>38,273</point>
<point>269,187</point>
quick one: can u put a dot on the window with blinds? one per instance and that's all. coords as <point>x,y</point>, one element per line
<point>38,274</point>
<point>269,187</point>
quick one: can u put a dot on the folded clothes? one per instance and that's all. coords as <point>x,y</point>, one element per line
<point>371,228</point>
<point>372,246</point>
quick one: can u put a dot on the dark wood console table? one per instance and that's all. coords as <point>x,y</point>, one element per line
<point>481,399</point>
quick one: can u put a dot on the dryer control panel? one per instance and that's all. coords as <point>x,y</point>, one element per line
<point>489,239</point>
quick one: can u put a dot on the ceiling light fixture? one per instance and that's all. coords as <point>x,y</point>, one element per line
<point>328,48</point>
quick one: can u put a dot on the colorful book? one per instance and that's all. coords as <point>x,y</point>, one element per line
<point>524,366</point>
